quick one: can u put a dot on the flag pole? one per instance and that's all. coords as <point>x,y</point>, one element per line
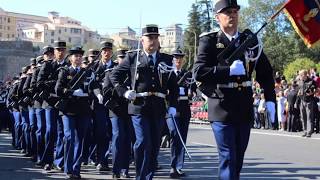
<point>272,17</point>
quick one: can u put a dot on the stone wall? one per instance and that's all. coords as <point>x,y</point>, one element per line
<point>13,56</point>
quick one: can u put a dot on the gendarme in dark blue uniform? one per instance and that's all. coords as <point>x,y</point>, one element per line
<point>228,87</point>
<point>148,105</point>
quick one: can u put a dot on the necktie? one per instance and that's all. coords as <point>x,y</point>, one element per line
<point>151,63</point>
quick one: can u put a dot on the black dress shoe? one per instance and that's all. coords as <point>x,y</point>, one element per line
<point>58,168</point>
<point>124,175</point>
<point>38,164</point>
<point>76,176</point>
<point>68,176</point>
<point>101,167</point>
<point>115,176</point>
<point>180,172</point>
<point>174,174</point>
<point>304,135</point>
<point>47,167</point>
<point>308,135</point>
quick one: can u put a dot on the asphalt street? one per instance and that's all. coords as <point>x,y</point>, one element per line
<point>270,155</point>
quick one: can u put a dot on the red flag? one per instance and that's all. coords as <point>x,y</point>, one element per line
<point>305,18</point>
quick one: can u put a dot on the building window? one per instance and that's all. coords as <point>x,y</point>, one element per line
<point>0,34</point>
<point>52,41</point>
<point>59,39</point>
<point>59,31</point>
<point>8,36</point>
<point>8,27</point>
<point>12,35</point>
<point>69,39</point>
<point>0,26</point>
<point>8,20</point>
<point>65,29</point>
<point>52,33</point>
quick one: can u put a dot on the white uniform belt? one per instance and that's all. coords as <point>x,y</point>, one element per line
<point>183,98</point>
<point>144,94</point>
<point>235,84</point>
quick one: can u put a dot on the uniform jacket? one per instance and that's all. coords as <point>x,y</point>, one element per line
<point>118,106</point>
<point>74,105</point>
<point>147,80</point>
<point>35,89</point>
<point>183,106</point>
<point>229,104</point>
<point>46,81</point>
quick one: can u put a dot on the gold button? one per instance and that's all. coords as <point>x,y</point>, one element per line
<point>153,85</point>
<point>152,78</point>
<point>238,77</point>
<point>239,88</point>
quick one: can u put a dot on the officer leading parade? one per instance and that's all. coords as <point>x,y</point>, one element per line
<point>232,95</point>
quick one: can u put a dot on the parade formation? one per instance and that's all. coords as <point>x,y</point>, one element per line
<point>69,110</point>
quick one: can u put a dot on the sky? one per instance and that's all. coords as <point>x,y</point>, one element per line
<point>108,16</point>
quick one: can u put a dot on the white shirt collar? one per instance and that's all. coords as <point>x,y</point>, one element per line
<point>230,37</point>
<point>60,62</point>
<point>107,63</point>
<point>154,55</point>
<point>176,70</point>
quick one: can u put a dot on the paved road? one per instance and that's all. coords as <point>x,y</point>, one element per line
<point>270,155</point>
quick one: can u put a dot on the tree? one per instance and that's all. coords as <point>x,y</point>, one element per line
<point>193,31</point>
<point>291,69</point>
<point>205,9</point>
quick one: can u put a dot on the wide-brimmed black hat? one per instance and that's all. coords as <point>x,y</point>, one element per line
<point>93,52</point>
<point>221,5</point>
<point>60,44</point>
<point>25,69</point>
<point>150,29</point>
<point>178,52</point>
<point>121,53</point>
<point>33,61</point>
<point>76,50</point>
<point>39,59</point>
<point>106,45</point>
<point>47,49</point>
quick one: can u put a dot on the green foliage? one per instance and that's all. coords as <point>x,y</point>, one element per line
<point>193,31</point>
<point>292,68</point>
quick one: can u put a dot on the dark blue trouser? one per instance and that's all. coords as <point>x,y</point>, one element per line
<point>33,129</point>
<point>17,128</point>
<point>88,144</point>
<point>75,128</point>
<point>146,147</point>
<point>232,141</point>
<point>40,133</point>
<point>120,144</point>
<point>58,161</point>
<point>26,130</point>
<point>177,149</point>
<point>102,134</point>
<point>51,134</point>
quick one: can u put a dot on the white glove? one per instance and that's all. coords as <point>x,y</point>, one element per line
<point>172,111</point>
<point>237,68</point>
<point>270,107</point>
<point>100,98</point>
<point>181,91</point>
<point>78,92</point>
<point>130,94</point>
